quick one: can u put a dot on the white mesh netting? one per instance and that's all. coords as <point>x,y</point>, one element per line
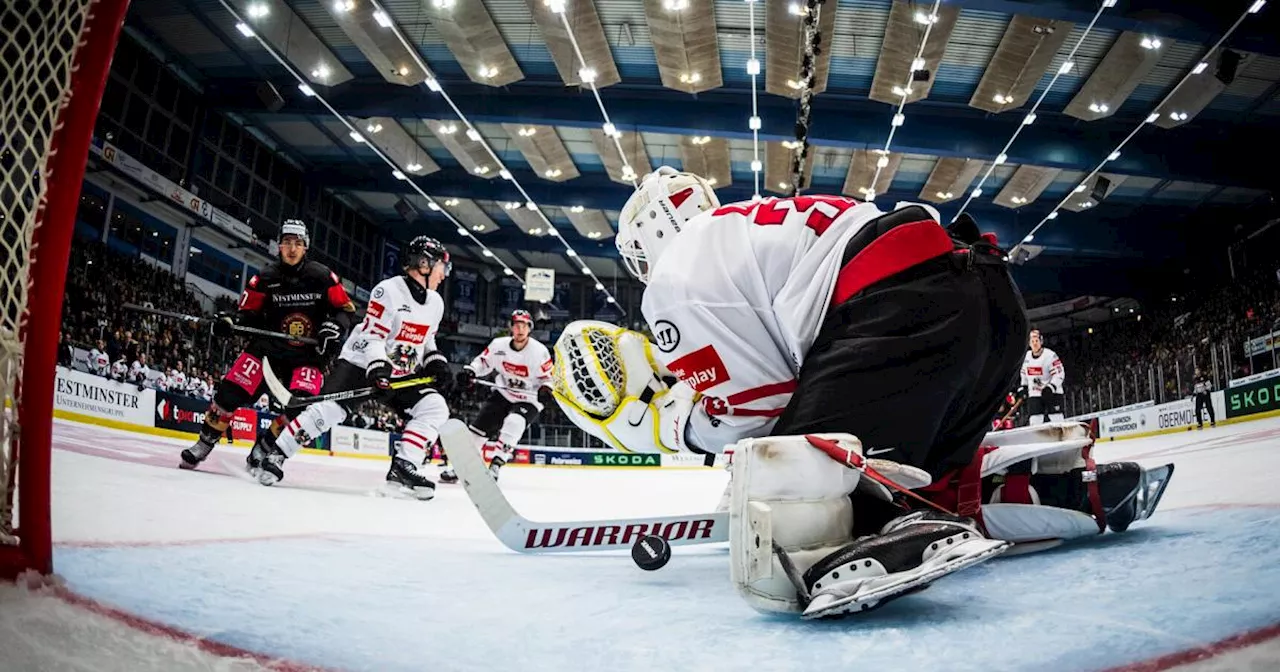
<point>38,43</point>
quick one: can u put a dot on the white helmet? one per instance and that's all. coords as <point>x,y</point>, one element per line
<point>656,213</point>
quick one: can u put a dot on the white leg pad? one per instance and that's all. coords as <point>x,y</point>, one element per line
<point>512,429</point>
<point>785,491</point>
<point>311,423</point>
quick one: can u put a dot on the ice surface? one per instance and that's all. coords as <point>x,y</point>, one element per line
<point>344,580</point>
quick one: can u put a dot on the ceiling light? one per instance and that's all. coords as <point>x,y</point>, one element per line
<point>462,231</point>
<point>675,5</point>
<point>898,119</point>
<point>511,205</point>
<point>1066,67</point>
<point>690,78</point>
<point>244,29</point>
<point>783,185</point>
<point>925,19</point>
<point>917,64</point>
<point>527,131</point>
<point>1001,158</point>
<point>593,234</point>
<point>258,10</point>
<point>1052,215</point>
<point>1002,99</point>
<point>1030,237</point>
<point>610,299</point>
<point>1257,6</point>
<point>1098,108</point>
<point>899,91</point>
<point>382,19</point>
<point>882,162</point>
<point>1113,155</point>
<point>977,191</point>
<point>587,271</point>
<point>1150,43</point>
<point>628,173</point>
<point>442,4</point>
<point>481,170</point>
<point>611,130</point>
<point>795,9</point>
<point>556,6</point>
<point>452,202</point>
<point>1018,200</point>
<point>433,205</point>
<point>535,231</point>
<point>587,75</point>
<point>576,208</point>
<point>756,166</point>
<point>1151,118</point>
<point>373,128</point>
<point>399,175</point>
<point>321,72</point>
<point>530,205</point>
<point>753,66</point>
<point>753,123</point>
<point>414,167</point>
<point>1080,188</point>
<point>700,139</point>
<point>488,71</point>
<point>433,84</point>
<point>448,129</point>
<point>355,135</point>
<point>404,71</point>
<point>945,195</point>
<point>1199,68</point>
<point>344,6</point>
<point>473,135</point>
<point>552,173</point>
<point>599,287</point>
<point>794,84</point>
<point>507,271</point>
<point>1178,116</point>
<point>1086,204</point>
<point>504,174</point>
<point>306,90</point>
<point>791,144</point>
<point>1029,119</point>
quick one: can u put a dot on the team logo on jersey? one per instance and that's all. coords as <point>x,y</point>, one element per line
<point>547,366</point>
<point>297,325</point>
<point>702,369</point>
<point>412,333</point>
<point>666,335</point>
<point>378,292</point>
<point>376,309</point>
<point>1035,370</point>
<point>518,370</point>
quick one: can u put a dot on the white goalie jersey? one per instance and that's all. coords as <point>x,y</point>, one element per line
<point>398,327</point>
<point>520,372</point>
<point>735,306</point>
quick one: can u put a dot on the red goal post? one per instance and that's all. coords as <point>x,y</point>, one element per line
<point>54,58</point>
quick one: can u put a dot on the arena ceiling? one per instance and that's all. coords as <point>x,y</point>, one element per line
<point>675,78</point>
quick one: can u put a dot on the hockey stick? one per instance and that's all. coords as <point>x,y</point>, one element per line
<point>1012,410</point>
<point>243,330</point>
<point>527,536</point>
<point>497,386</point>
<point>288,400</point>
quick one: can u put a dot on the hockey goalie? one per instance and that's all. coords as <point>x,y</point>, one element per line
<point>851,359</point>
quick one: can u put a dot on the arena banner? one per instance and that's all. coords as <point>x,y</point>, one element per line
<point>545,458</point>
<point>343,439</point>
<point>510,297</point>
<point>1259,396</point>
<point>244,425</point>
<point>624,459</point>
<point>463,288</point>
<point>180,413</point>
<point>687,460</point>
<point>1180,414</point>
<point>1240,382</point>
<point>85,393</point>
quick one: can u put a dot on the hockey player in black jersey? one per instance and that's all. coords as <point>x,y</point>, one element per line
<point>295,296</point>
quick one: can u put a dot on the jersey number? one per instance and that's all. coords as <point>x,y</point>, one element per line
<point>822,210</point>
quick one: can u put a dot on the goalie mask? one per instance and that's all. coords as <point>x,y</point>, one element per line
<point>656,213</point>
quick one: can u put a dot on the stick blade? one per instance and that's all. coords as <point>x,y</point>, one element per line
<point>277,388</point>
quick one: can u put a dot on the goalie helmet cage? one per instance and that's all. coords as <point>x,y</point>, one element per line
<point>54,58</point>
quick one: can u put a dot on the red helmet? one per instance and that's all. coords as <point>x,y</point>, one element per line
<point>522,316</point>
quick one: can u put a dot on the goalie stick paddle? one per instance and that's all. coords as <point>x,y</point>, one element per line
<point>528,536</point>
<point>288,400</point>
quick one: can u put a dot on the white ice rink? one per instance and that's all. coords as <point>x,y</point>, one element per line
<point>174,570</point>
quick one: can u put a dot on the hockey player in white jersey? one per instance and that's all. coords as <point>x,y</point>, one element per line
<point>396,339</point>
<point>523,367</point>
<point>846,356</point>
<point>1042,379</point>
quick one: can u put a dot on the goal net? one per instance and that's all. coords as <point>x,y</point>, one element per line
<point>54,57</point>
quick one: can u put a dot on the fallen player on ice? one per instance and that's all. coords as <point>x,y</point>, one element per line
<point>851,359</point>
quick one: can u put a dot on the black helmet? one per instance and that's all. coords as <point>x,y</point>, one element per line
<point>429,250</point>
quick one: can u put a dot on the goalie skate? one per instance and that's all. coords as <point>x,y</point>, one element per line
<point>910,553</point>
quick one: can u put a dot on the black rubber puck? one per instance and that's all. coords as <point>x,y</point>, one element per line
<point>651,552</point>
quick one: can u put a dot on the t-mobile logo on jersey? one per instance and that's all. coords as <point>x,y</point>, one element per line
<point>702,369</point>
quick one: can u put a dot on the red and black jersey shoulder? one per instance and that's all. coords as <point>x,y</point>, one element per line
<point>295,300</point>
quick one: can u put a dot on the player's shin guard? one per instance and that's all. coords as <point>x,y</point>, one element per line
<point>513,427</point>
<point>300,431</point>
<point>791,531</point>
<point>215,424</point>
<point>420,433</point>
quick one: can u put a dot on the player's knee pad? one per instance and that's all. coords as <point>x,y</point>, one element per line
<point>420,433</point>
<point>513,427</point>
<point>309,425</point>
<point>789,493</point>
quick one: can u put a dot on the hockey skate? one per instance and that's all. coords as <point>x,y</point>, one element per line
<point>501,456</point>
<point>910,553</point>
<point>1129,492</point>
<point>193,456</point>
<point>404,478</point>
<point>259,452</point>
<point>271,468</point>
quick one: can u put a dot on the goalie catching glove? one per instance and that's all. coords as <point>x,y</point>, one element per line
<point>609,384</point>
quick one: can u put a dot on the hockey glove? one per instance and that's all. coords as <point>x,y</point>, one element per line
<point>466,378</point>
<point>435,365</point>
<point>378,374</point>
<point>224,325</point>
<point>545,396</point>
<point>328,338</point>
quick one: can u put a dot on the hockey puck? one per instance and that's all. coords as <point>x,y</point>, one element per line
<point>651,552</point>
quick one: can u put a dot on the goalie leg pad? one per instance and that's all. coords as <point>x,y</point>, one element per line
<point>788,493</point>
